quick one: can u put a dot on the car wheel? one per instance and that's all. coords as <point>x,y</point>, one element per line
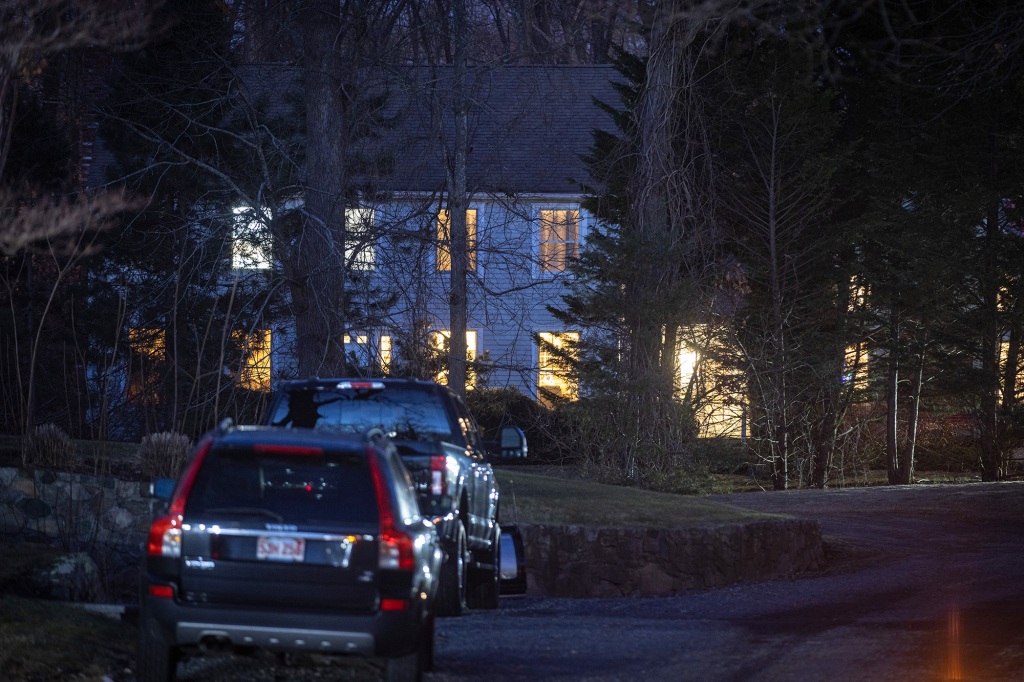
<point>154,660</point>
<point>404,668</point>
<point>485,582</point>
<point>427,651</point>
<point>451,593</point>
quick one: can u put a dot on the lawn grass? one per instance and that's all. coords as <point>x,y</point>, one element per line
<point>528,497</point>
<point>45,640</point>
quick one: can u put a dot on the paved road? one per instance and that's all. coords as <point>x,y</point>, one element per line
<point>924,583</point>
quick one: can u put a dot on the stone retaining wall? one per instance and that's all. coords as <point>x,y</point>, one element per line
<point>574,561</point>
<point>81,512</point>
<point>100,518</point>
<point>73,510</point>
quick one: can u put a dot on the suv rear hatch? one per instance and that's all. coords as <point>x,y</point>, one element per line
<point>279,525</point>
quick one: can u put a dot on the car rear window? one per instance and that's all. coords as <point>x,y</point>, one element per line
<point>405,414</point>
<point>308,490</point>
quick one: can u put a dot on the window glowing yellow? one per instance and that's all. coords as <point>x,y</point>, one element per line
<point>715,391</point>
<point>553,378</point>
<point>385,354</point>
<point>1004,354</point>
<point>855,366</point>
<point>559,239</point>
<point>148,349</point>
<point>360,339</point>
<point>444,240</point>
<point>439,341</point>
<point>254,371</point>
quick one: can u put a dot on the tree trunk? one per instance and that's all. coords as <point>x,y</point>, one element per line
<point>913,419</point>
<point>650,225</point>
<point>319,290</point>
<point>1010,371</point>
<point>458,203</point>
<point>892,403</point>
<point>991,462</point>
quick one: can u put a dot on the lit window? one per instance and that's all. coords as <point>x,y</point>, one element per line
<point>713,390</point>
<point>855,367</point>
<point>553,377</point>
<point>359,248</point>
<point>858,297</point>
<point>1007,372</point>
<point>385,354</point>
<point>359,339</point>
<point>357,348</point>
<point>440,342</point>
<point>254,372</point>
<point>444,240</point>
<point>250,240</point>
<point>559,239</point>
<point>147,351</point>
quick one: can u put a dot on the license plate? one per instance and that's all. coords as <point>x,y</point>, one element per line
<point>280,549</point>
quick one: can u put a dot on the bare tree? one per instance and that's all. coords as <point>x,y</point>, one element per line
<point>31,33</point>
<point>319,296</point>
<point>458,202</point>
<point>777,177</point>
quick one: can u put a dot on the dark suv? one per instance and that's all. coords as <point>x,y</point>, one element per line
<point>290,541</point>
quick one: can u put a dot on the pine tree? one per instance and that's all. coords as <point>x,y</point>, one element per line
<point>181,332</point>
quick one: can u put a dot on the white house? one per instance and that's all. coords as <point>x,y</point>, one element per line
<point>529,127</point>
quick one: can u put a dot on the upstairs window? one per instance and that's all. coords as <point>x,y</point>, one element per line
<point>559,239</point>
<point>250,241</point>
<point>359,247</point>
<point>444,240</point>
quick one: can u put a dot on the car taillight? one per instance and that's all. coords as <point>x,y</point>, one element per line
<point>395,547</point>
<point>394,604</point>
<point>161,591</point>
<point>165,537</point>
<point>438,477</point>
<point>396,551</point>
<point>165,531</point>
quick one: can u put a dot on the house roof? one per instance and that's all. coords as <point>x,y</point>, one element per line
<point>528,127</point>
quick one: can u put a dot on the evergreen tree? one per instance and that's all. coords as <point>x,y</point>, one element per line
<point>779,158</point>
<point>934,95</point>
<point>632,296</point>
<point>180,325</point>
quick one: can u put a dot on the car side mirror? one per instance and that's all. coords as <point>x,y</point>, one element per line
<point>513,443</point>
<point>162,489</point>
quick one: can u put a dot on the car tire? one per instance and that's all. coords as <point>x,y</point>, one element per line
<point>427,650</point>
<point>408,668</point>
<point>154,660</point>
<point>485,582</point>
<point>451,593</point>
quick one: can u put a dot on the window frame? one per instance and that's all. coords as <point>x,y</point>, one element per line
<point>442,238</point>
<point>571,389</point>
<point>357,225</point>
<point>544,262</point>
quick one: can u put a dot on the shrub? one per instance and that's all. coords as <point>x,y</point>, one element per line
<point>494,408</point>
<point>162,455</point>
<point>47,446</point>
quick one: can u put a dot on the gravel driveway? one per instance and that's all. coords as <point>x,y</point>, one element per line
<point>923,583</point>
